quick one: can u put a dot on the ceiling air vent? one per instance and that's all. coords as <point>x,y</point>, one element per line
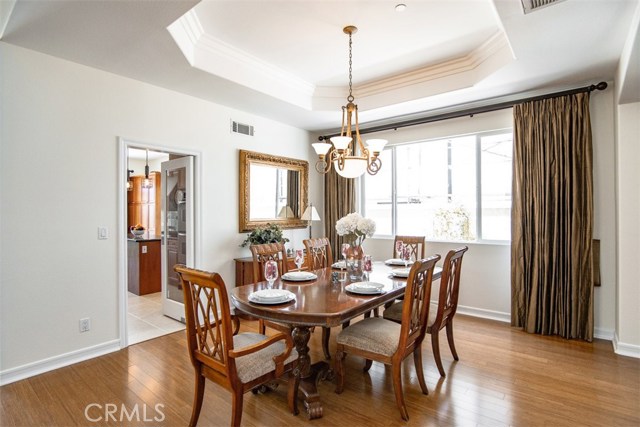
<point>241,128</point>
<point>532,5</point>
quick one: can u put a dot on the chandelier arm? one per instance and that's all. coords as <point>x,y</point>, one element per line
<point>374,166</point>
<point>322,166</point>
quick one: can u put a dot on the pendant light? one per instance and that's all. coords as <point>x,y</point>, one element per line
<point>349,156</point>
<point>147,182</point>
<point>129,172</point>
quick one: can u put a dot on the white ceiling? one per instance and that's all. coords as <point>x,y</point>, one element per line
<point>287,60</point>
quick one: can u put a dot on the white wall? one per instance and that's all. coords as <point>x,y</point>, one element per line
<point>486,273</point>
<point>627,340</point>
<point>60,125</point>
<point>627,337</point>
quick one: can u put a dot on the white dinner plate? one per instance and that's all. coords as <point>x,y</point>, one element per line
<point>341,265</point>
<point>404,272</point>
<point>401,272</point>
<point>396,261</point>
<point>272,296</point>
<point>299,276</point>
<point>367,288</point>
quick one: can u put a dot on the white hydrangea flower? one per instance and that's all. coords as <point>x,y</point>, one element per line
<point>367,226</point>
<point>356,228</point>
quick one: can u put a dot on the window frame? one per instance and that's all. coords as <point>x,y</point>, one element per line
<point>394,193</point>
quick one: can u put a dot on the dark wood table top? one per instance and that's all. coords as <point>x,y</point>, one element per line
<point>321,302</point>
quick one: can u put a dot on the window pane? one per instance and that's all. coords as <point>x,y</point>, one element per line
<point>436,189</point>
<point>377,196</point>
<point>496,186</point>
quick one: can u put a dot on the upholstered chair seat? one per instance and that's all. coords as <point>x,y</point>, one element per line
<point>257,364</point>
<point>374,334</point>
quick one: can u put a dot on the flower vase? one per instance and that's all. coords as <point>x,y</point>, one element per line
<point>355,255</point>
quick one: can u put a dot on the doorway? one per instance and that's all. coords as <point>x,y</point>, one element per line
<point>142,259</point>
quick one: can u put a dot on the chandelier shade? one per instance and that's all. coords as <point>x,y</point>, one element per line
<point>346,153</point>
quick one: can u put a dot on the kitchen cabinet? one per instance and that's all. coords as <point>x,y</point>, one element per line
<point>144,204</point>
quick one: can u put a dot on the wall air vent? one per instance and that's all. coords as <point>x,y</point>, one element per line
<point>241,128</point>
<point>529,6</point>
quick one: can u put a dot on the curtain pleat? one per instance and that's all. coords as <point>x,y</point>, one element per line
<point>552,218</point>
<point>339,200</point>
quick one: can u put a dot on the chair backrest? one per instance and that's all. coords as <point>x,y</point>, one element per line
<point>318,253</point>
<point>208,319</point>
<point>449,286</point>
<point>415,309</point>
<point>267,252</point>
<point>415,243</point>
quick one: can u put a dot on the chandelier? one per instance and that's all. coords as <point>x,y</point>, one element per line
<point>348,155</point>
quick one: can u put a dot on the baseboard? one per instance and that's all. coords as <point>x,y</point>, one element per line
<point>603,334</point>
<point>41,366</point>
<point>624,349</point>
<point>484,314</point>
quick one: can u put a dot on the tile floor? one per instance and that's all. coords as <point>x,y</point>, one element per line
<point>145,319</point>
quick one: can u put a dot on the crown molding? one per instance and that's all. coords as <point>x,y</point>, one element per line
<point>456,66</point>
<point>217,57</point>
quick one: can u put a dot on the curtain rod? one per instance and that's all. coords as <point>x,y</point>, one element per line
<point>472,111</point>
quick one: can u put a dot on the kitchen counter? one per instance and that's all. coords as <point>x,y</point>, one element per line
<point>144,238</point>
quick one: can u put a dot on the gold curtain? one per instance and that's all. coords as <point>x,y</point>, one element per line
<point>339,200</point>
<point>552,218</point>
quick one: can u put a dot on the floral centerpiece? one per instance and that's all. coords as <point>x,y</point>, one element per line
<point>355,229</point>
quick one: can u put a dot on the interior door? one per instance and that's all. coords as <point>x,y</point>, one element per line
<point>178,244</point>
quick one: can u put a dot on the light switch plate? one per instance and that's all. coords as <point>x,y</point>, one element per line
<point>144,249</point>
<point>103,233</point>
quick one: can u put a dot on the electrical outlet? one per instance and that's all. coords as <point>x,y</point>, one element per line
<point>85,324</point>
<point>144,249</point>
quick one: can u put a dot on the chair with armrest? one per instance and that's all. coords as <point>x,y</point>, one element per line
<point>442,315</point>
<point>382,340</point>
<point>237,362</point>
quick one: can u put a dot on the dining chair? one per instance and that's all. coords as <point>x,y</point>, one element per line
<point>319,256</point>
<point>319,253</point>
<point>237,362</point>
<point>416,246</point>
<point>277,252</point>
<point>442,315</point>
<point>388,342</point>
<point>415,243</point>
<point>261,254</point>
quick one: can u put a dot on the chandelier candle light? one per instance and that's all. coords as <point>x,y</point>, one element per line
<point>349,156</point>
<point>356,229</point>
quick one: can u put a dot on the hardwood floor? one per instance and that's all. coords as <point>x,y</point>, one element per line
<point>504,377</point>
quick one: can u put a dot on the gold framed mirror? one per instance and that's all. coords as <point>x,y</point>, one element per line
<point>273,190</point>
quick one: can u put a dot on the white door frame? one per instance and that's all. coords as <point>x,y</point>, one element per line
<point>123,145</point>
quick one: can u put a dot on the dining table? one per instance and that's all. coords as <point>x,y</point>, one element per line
<point>323,301</point>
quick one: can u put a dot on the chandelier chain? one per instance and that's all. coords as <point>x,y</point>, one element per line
<point>350,98</point>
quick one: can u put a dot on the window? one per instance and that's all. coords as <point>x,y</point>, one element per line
<point>452,189</point>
